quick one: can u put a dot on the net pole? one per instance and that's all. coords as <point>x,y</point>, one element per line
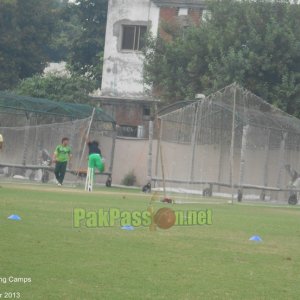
<point>150,150</point>
<point>26,142</point>
<point>163,172</point>
<point>243,153</point>
<point>160,153</point>
<point>35,157</point>
<point>266,158</point>
<point>297,148</point>
<point>159,129</point>
<point>232,143</point>
<point>112,157</point>
<point>194,140</point>
<point>221,153</point>
<point>84,146</point>
<point>281,159</point>
<point>265,178</point>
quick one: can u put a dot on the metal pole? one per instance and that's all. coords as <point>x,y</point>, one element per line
<point>163,172</point>
<point>150,150</point>
<point>194,142</point>
<point>266,159</point>
<point>159,127</point>
<point>112,157</point>
<point>281,158</point>
<point>26,143</point>
<point>232,143</point>
<point>220,163</point>
<point>243,153</point>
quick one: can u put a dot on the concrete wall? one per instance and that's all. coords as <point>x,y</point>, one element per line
<point>123,69</point>
<point>207,166</point>
<point>131,155</point>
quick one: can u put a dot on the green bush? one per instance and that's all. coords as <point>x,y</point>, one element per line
<point>129,179</point>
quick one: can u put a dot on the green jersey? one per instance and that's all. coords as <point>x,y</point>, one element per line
<point>62,153</point>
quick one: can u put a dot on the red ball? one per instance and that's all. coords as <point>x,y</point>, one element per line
<point>165,218</point>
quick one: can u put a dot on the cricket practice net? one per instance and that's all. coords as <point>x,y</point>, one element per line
<point>28,150</point>
<point>33,127</point>
<point>232,144</point>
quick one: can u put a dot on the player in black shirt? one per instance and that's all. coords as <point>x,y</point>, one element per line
<point>95,156</point>
<point>94,148</point>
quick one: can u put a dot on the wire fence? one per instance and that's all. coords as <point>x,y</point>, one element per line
<point>232,143</point>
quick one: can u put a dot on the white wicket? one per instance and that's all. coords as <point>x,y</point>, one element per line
<point>89,180</point>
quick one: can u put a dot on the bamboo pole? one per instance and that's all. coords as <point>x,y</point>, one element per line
<point>84,146</point>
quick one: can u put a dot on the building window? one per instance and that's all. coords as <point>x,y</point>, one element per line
<point>206,15</point>
<point>127,131</point>
<point>183,12</point>
<point>146,111</point>
<point>134,37</point>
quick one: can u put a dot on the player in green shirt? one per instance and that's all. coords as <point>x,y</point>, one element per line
<point>62,155</point>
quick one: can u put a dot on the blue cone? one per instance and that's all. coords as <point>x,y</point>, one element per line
<point>255,238</point>
<point>127,227</point>
<point>14,217</point>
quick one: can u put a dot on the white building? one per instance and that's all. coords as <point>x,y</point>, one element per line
<point>127,24</point>
<point>123,90</point>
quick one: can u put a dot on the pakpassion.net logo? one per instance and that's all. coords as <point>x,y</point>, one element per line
<point>163,218</point>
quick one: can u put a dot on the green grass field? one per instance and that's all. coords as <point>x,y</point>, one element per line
<point>190,262</point>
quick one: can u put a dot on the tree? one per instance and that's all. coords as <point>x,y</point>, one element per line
<point>67,30</point>
<point>86,55</point>
<point>57,87</point>
<point>255,44</point>
<point>9,45</point>
<point>26,29</point>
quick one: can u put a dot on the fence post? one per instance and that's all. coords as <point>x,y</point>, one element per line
<point>150,150</point>
<point>232,143</point>
<point>281,159</point>
<point>194,142</point>
<point>243,154</point>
